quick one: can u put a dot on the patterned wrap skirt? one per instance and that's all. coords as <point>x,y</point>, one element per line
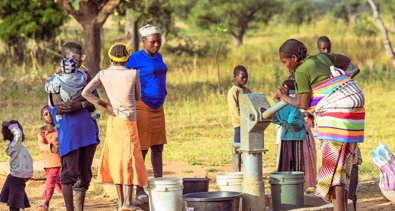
<point>337,161</point>
<point>151,125</point>
<point>121,160</point>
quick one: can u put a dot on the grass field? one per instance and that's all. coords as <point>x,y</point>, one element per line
<point>198,127</point>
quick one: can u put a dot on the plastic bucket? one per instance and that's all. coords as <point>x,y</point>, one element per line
<point>287,190</point>
<point>212,201</point>
<point>194,185</point>
<point>230,182</point>
<point>165,194</point>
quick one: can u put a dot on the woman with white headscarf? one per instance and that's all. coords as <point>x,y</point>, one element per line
<point>150,113</point>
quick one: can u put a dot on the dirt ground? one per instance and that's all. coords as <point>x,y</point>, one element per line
<point>370,197</point>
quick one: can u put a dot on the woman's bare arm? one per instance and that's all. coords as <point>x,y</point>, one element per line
<point>302,100</point>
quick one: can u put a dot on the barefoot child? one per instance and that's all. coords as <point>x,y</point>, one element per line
<point>48,143</point>
<point>21,167</point>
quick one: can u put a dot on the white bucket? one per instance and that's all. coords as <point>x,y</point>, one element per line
<point>165,194</point>
<point>230,181</point>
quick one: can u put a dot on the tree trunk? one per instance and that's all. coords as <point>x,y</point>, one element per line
<point>238,39</point>
<point>92,14</point>
<point>219,84</point>
<point>131,31</point>
<point>393,23</point>
<point>92,43</point>
<point>239,35</point>
<point>385,38</point>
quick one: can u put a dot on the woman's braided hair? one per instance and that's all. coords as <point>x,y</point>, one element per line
<point>293,47</point>
<point>119,50</point>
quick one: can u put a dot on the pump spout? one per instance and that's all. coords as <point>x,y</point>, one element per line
<point>270,111</point>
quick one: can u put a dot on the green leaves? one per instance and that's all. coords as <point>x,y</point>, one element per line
<point>32,19</point>
<point>156,12</point>
<point>302,12</point>
<point>235,17</point>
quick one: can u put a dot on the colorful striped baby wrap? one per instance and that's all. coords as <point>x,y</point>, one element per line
<point>338,105</point>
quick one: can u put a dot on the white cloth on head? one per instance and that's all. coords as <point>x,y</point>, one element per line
<point>149,30</point>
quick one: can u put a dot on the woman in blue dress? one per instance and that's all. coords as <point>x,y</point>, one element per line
<point>150,113</point>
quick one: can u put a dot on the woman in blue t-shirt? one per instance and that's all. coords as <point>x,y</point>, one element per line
<point>150,113</point>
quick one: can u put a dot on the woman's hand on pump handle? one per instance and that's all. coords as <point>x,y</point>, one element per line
<point>282,91</point>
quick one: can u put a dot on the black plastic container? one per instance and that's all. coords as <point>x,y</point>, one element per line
<point>213,201</point>
<point>193,185</point>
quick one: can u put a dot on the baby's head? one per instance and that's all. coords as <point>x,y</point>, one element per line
<point>240,75</point>
<point>46,115</point>
<point>72,50</point>
<point>7,135</point>
<point>291,86</point>
<point>68,66</point>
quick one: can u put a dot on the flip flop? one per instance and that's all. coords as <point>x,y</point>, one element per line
<point>131,208</point>
<point>42,207</point>
<point>142,198</point>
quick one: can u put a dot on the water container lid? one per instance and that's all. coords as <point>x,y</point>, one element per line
<point>230,175</point>
<point>164,180</point>
<point>195,179</point>
<point>287,177</point>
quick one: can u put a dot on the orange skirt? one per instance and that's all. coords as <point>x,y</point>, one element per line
<point>151,125</point>
<point>121,159</point>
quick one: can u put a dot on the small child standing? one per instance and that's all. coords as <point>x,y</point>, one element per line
<point>240,76</point>
<point>21,167</point>
<point>293,133</point>
<point>69,84</point>
<point>48,143</point>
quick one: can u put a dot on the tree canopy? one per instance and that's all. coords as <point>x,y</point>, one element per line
<point>236,16</point>
<point>32,19</point>
<point>139,13</point>
<point>91,14</point>
<point>302,12</point>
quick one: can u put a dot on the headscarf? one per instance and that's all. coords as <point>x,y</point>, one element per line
<point>149,30</point>
<point>119,59</point>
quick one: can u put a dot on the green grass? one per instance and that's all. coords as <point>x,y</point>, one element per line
<point>198,126</point>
